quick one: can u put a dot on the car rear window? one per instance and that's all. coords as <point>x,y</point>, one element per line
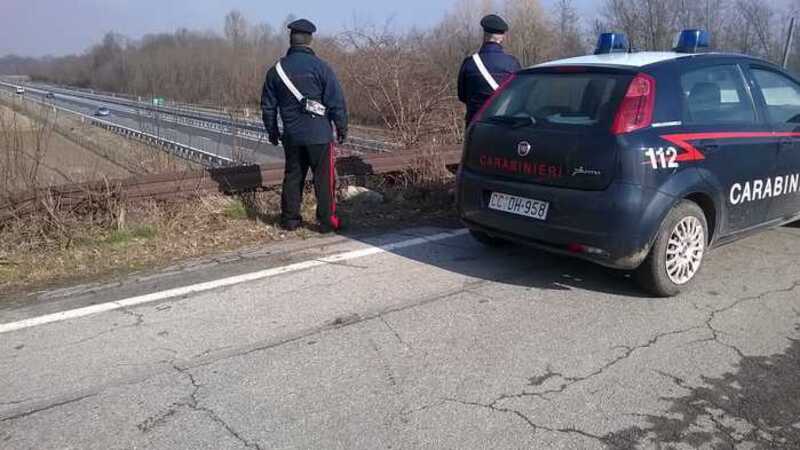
<point>559,99</point>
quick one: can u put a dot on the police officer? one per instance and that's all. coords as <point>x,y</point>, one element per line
<point>484,71</point>
<point>306,92</point>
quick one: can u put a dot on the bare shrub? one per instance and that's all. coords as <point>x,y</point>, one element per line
<point>429,169</point>
<point>399,83</point>
<point>24,144</point>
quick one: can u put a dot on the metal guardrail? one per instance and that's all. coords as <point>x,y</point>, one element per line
<point>175,148</point>
<point>181,150</point>
<point>249,129</point>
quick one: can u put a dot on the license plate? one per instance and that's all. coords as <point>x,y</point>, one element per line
<point>535,209</point>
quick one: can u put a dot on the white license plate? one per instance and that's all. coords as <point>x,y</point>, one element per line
<point>521,206</point>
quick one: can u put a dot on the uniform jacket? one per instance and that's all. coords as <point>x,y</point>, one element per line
<point>473,90</point>
<point>315,80</point>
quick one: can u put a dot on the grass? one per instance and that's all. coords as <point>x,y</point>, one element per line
<point>125,236</point>
<point>92,245</point>
<point>236,210</point>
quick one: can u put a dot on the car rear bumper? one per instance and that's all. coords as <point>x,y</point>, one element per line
<point>614,227</point>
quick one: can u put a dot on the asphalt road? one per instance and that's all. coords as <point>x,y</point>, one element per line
<point>428,343</point>
<point>213,141</point>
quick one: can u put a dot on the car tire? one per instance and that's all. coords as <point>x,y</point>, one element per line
<point>677,254</point>
<point>487,240</point>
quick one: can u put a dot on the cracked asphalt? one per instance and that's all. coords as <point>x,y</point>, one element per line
<point>441,345</point>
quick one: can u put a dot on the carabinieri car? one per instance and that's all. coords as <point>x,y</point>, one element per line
<point>639,161</point>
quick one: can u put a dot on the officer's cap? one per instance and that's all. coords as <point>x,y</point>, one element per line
<point>494,24</point>
<point>302,26</point>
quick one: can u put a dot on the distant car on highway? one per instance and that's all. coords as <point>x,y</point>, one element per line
<point>50,95</point>
<point>20,90</point>
<point>102,112</point>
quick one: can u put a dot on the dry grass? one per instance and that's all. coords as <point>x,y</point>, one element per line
<point>83,245</point>
<point>66,148</point>
<point>35,155</point>
<point>108,237</point>
<point>24,144</point>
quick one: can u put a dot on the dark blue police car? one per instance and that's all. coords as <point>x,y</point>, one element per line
<point>636,160</point>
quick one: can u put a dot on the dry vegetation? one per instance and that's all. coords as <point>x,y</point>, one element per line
<point>108,236</point>
<point>36,155</point>
<point>89,145</point>
<point>41,147</point>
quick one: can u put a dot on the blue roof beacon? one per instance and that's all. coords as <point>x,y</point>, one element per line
<point>612,43</point>
<point>692,41</point>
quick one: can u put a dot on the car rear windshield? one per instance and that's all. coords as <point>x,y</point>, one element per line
<point>585,100</point>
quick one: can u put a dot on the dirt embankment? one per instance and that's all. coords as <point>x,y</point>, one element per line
<point>35,155</point>
<point>40,146</point>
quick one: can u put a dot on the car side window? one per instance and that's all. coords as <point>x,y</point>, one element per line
<point>716,95</point>
<point>781,94</point>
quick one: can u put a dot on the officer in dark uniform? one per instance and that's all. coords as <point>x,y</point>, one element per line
<point>307,133</point>
<point>473,87</point>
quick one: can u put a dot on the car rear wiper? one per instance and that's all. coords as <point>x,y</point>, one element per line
<point>515,121</point>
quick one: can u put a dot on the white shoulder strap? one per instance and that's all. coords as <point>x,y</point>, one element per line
<point>486,75</point>
<point>288,82</point>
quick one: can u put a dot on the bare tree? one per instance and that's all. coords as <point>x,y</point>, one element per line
<point>569,41</point>
<point>235,28</point>
<point>399,83</point>
<point>531,36</point>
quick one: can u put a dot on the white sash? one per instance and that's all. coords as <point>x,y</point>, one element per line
<point>288,82</point>
<point>486,75</point>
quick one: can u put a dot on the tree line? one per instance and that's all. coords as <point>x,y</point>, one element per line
<point>401,80</point>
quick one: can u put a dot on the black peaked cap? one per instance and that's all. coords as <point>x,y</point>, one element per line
<point>303,26</point>
<point>494,24</point>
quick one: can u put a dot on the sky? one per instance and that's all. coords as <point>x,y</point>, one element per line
<point>60,27</point>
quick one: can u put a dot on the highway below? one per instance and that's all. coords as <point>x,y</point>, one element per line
<point>221,142</point>
<point>413,339</point>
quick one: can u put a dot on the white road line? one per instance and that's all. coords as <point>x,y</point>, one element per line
<point>207,286</point>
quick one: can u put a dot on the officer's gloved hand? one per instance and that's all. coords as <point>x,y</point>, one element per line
<point>341,136</point>
<point>274,139</point>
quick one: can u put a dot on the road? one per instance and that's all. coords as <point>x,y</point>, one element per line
<point>412,339</point>
<point>214,141</point>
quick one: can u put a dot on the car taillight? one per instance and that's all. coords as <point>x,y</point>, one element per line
<point>636,110</point>
<point>489,101</point>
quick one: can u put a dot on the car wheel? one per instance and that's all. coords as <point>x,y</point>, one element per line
<point>677,253</point>
<point>487,240</point>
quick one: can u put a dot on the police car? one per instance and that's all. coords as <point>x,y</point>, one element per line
<point>638,161</point>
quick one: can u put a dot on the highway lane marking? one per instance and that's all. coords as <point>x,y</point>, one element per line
<point>224,282</point>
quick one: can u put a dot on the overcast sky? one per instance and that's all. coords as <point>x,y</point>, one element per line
<point>58,27</point>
